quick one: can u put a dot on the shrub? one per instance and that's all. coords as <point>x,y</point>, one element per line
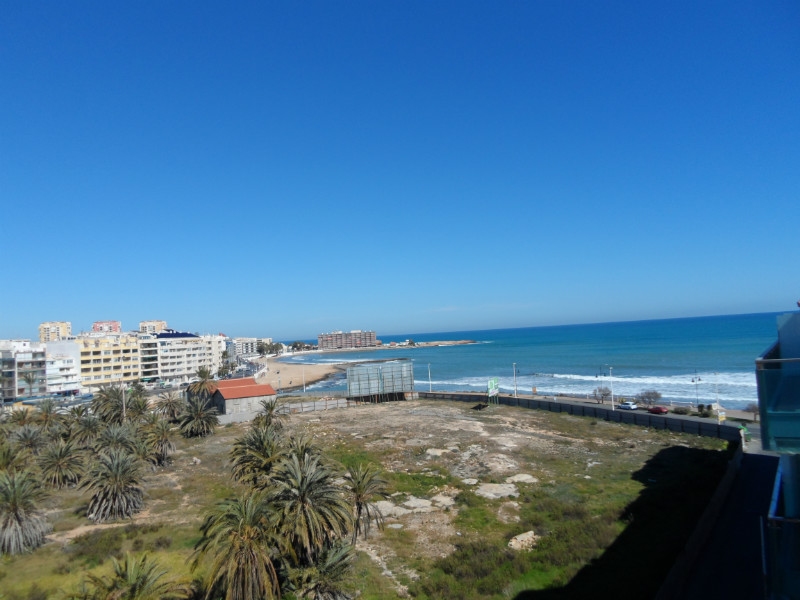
<point>94,547</point>
<point>681,410</point>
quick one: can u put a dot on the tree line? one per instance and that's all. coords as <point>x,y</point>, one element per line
<point>290,532</point>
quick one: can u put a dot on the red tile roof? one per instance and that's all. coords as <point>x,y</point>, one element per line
<point>246,391</point>
<point>230,383</point>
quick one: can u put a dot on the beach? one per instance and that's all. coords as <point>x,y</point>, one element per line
<point>284,376</point>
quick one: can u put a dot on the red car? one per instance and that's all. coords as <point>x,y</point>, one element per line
<point>658,410</point>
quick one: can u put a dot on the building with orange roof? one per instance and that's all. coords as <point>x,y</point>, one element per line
<point>238,400</point>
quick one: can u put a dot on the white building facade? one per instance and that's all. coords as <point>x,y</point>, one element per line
<point>63,375</point>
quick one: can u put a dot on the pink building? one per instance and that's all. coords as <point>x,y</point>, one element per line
<point>107,326</point>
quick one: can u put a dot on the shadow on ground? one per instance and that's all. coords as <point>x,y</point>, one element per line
<point>679,482</point>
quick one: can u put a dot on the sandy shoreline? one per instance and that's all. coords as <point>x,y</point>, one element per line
<point>283,376</point>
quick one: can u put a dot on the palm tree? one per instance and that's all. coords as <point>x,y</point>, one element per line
<point>47,417</point>
<point>302,444</point>
<point>113,479</point>
<point>22,527</point>
<point>84,430</point>
<point>108,404</point>
<point>21,416</point>
<point>12,458</point>
<point>205,384</point>
<point>115,437</point>
<point>199,417</point>
<point>136,407</point>
<point>256,455</point>
<point>364,484</point>
<point>29,437</point>
<point>30,378</point>
<point>137,579</point>
<point>329,578</point>
<point>61,464</point>
<point>311,509</point>
<point>158,438</point>
<point>170,405</point>
<point>236,540</point>
<point>270,415</point>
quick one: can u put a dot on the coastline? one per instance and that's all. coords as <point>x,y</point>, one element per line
<point>283,376</point>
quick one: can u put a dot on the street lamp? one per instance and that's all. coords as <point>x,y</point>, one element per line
<point>695,381</point>
<point>515,379</point>
<point>430,383</point>
<point>611,378</point>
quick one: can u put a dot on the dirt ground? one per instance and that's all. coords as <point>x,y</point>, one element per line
<point>491,452</point>
<point>443,447</point>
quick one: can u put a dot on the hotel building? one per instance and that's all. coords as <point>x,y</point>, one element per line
<point>338,340</point>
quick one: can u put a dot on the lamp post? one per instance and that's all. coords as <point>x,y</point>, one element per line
<point>515,379</point>
<point>611,378</point>
<point>430,383</point>
<point>695,381</point>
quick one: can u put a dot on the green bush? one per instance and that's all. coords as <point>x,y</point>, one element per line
<point>681,410</point>
<point>94,547</point>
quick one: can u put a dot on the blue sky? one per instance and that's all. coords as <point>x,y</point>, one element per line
<point>284,169</point>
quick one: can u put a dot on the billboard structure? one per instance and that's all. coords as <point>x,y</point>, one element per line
<point>381,381</point>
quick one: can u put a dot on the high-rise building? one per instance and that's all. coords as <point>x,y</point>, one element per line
<point>107,327</point>
<point>52,331</point>
<point>152,326</point>
<point>338,340</point>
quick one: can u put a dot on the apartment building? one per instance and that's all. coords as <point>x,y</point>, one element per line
<point>107,327</point>
<point>248,346</point>
<point>23,369</point>
<point>54,330</point>
<point>63,375</point>
<point>174,357</point>
<point>108,359</point>
<point>338,340</point>
<point>152,326</point>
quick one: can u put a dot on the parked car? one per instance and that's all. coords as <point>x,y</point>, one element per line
<point>658,410</point>
<point>628,405</point>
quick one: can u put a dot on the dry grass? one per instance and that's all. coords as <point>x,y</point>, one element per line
<point>427,449</point>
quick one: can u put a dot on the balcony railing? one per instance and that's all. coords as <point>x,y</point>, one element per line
<point>778,382</point>
<point>782,550</point>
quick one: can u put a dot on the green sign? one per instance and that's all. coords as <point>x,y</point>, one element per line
<point>494,387</point>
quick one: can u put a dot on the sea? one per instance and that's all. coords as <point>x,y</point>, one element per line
<point>688,361</point>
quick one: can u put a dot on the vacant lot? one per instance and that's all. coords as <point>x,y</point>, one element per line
<point>609,505</point>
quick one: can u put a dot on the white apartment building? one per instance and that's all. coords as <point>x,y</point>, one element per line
<point>249,346</point>
<point>63,375</point>
<point>174,357</point>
